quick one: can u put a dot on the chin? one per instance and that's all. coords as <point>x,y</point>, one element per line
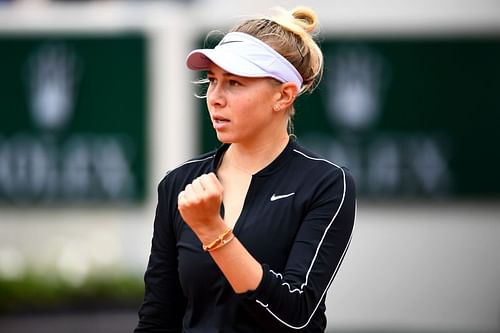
<point>225,138</point>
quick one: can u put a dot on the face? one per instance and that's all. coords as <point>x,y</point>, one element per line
<point>241,108</point>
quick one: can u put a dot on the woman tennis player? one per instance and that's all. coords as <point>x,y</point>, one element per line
<point>249,238</point>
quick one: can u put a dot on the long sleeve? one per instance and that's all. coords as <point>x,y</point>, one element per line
<point>293,295</point>
<point>296,222</point>
<point>164,304</point>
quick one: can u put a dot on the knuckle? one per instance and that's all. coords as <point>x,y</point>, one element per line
<point>213,195</point>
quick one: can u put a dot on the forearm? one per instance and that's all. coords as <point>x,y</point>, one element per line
<point>242,271</point>
<point>199,205</point>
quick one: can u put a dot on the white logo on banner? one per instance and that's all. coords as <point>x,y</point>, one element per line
<point>50,165</point>
<point>53,73</point>
<point>384,162</point>
<point>354,87</point>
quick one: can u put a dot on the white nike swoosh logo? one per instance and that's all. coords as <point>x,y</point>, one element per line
<point>281,196</point>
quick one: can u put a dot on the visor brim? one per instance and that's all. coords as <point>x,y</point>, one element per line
<point>201,59</point>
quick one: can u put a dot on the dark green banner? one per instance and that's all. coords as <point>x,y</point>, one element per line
<point>73,118</point>
<point>411,118</point>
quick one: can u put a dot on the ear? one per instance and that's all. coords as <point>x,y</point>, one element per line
<point>286,96</point>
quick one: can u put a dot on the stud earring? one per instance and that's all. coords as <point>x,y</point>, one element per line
<point>276,107</point>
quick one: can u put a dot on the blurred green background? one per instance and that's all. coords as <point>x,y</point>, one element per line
<point>97,105</point>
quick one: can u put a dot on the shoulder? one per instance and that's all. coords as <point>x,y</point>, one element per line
<point>310,158</point>
<point>195,162</point>
<point>319,166</point>
<point>189,169</point>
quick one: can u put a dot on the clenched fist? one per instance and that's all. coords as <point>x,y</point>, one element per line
<point>200,202</point>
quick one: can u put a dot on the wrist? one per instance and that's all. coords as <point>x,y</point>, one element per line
<point>220,241</point>
<point>211,231</point>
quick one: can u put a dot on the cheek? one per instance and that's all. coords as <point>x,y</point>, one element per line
<point>251,111</point>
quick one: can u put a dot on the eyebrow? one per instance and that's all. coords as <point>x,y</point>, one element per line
<point>224,73</point>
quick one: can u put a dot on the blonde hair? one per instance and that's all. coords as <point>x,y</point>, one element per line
<point>291,33</point>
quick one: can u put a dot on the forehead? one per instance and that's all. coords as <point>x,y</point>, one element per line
<point>213,69</point>
<point>216,70</point>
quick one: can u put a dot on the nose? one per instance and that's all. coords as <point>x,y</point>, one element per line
<point>215,96</point>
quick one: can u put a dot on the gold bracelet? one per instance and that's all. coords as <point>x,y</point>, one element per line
<point>220,241</point>
<point>221,244</point>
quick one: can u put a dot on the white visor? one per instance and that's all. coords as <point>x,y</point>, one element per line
<point>244,55</point>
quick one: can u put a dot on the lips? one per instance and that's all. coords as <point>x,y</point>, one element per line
<point>219,122</point>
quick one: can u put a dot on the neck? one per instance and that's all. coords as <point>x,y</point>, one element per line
<point>251,159</point>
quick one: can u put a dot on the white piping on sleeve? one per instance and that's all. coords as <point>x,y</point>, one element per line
<point>194,161</point>
<point>278,275</point>
<point>189,162</point>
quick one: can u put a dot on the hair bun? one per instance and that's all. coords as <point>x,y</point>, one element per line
<point>306,18</point>
<point>302,21</point>
<point>291,33</point>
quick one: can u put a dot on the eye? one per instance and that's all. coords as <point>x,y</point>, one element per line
<point>234,83</point>
<point>211,80</point>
